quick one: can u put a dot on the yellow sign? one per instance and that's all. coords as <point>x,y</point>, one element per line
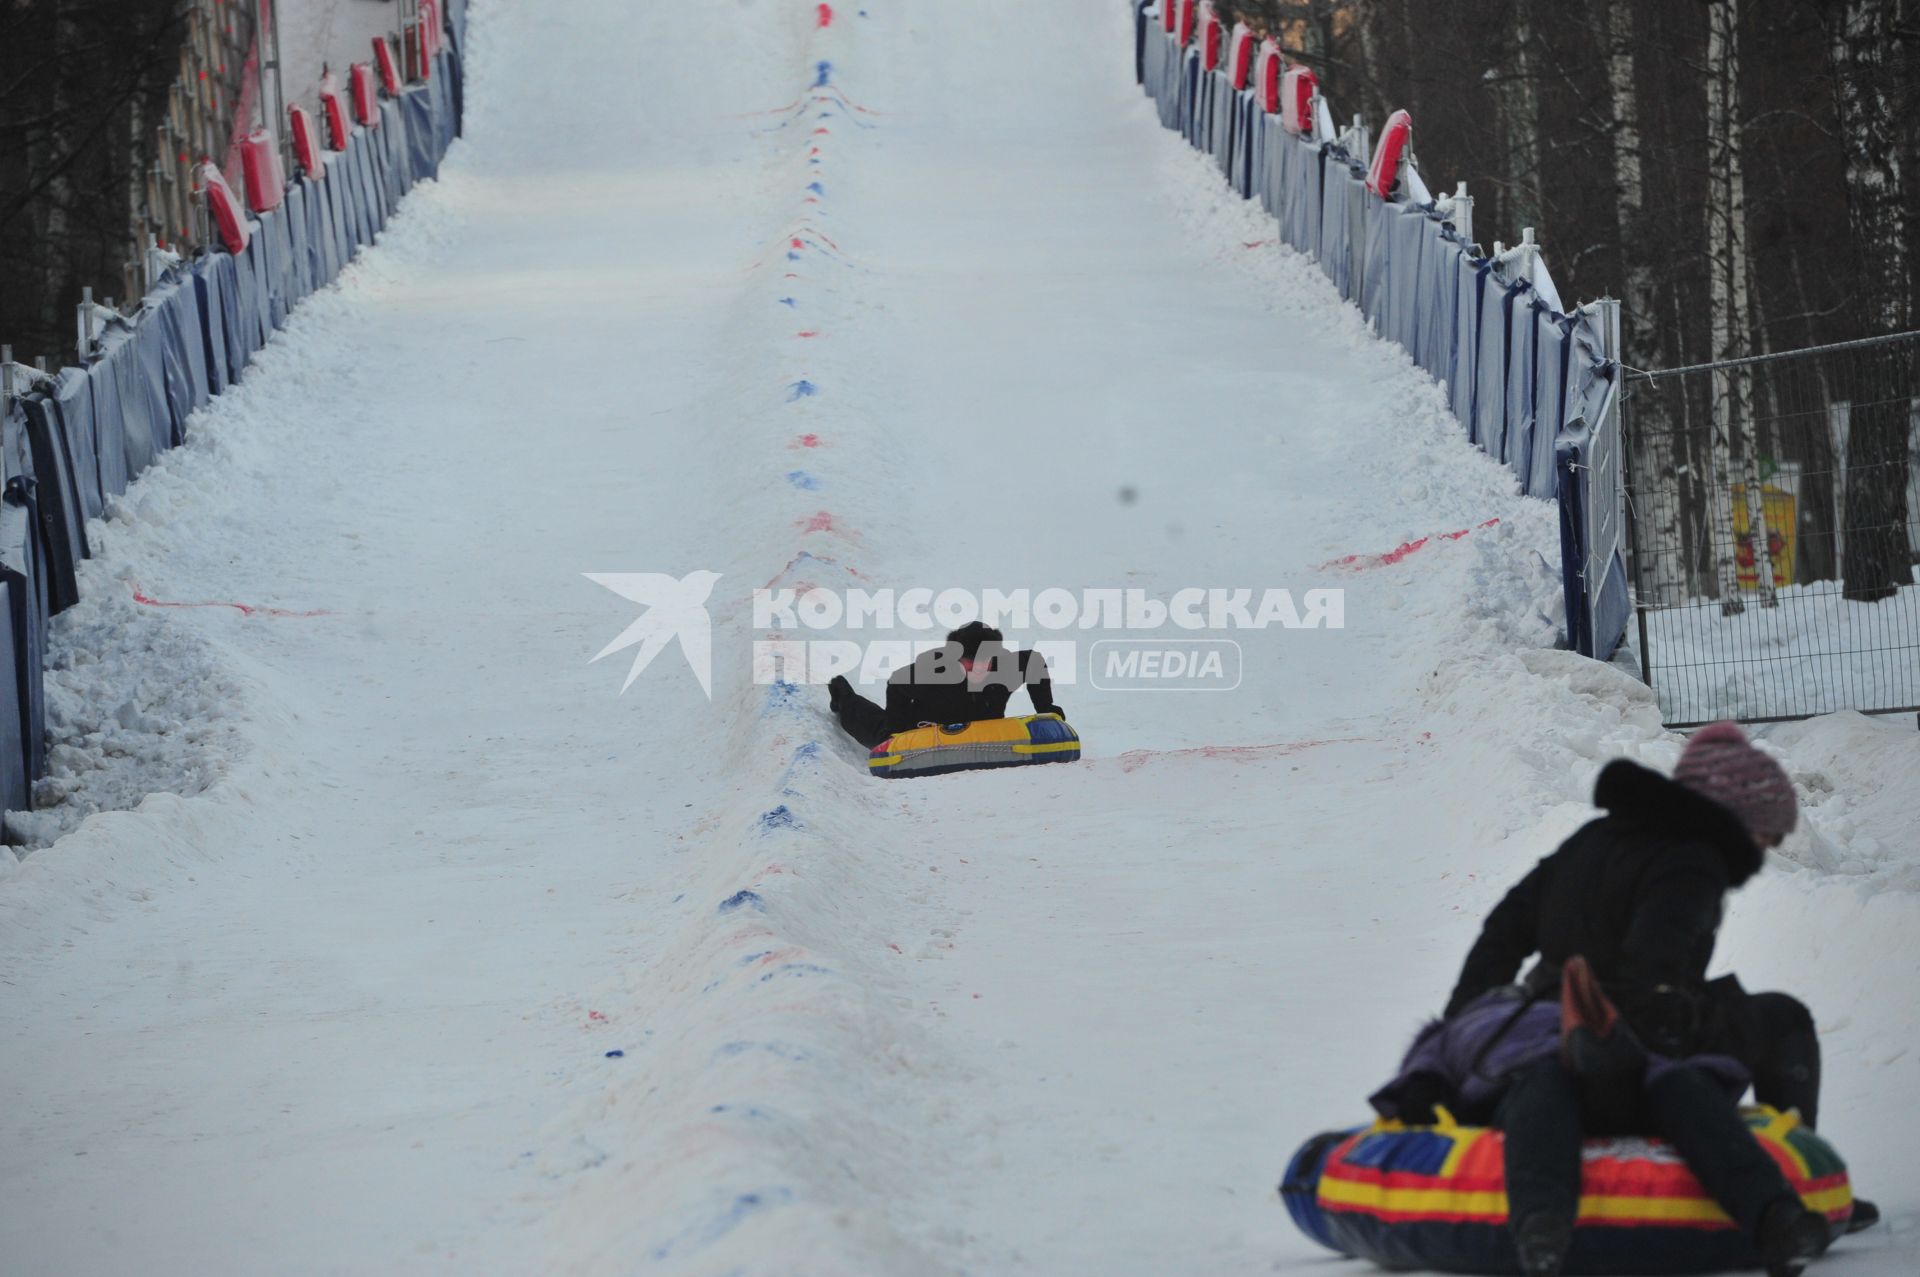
<point>1780,509</point>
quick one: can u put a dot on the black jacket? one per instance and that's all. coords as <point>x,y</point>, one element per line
<point>934,690</point>
<point>1638,892</point>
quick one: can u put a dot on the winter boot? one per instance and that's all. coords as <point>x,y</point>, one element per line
<point>1865,1215</point>
<point>1541,1242</point>
<point>1790,1236</point>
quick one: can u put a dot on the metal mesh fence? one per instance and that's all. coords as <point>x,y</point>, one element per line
<point>1774,527</point>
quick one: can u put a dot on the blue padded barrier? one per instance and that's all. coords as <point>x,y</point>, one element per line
<point>73,401</point>
<point>22,571</point>
<point>16,783</point>
<point>63,528</point>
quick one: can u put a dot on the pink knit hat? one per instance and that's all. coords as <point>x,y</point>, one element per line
<point>1718,763</point>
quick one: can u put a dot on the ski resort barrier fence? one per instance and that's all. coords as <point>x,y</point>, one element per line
<point>75,440</point>
<point>1532,385</point>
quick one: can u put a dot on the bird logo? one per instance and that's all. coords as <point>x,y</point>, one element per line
<point>676,608</point>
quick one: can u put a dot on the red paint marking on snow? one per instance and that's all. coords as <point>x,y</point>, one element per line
<point>1254,243</point>
<point>1362,562</point>
<point>1134,759</point>
<point>808,332</point>
<point>811,199</point>
<point>814,151</point>
<point>245,609</point>
<point>791,275</point>
<point>821,522</point>
<point>776,110</point>
<point>796,242</point>
<point>806,441</point>
<point>595,1015</point>
<point>823,132</point>
<point>822,236</point>
<point>823,16</point>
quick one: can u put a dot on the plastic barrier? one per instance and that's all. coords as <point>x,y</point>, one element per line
<point>79,440</point>
<point>360,91</point>
<point>1529,384</point>
<point>306,142</point>
<point>1296,101</point>
<point>388,66</point>
<point>260,168</point>
<point>1240,57</point>
<point>333,107</point>
<point>224,207</point>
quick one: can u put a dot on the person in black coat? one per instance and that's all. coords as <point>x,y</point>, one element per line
<point>1639,894</point>
<point>969,678</point>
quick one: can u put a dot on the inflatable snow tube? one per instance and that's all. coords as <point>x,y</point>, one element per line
<point>932,749</point>
<point>1435,1197</point>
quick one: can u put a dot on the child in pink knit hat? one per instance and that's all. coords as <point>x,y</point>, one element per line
<point>1720,763</point>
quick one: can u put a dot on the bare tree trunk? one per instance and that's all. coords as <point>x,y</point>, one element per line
<point>1519,98</point>
<point>1730,318</point>
<point>1869,76</point>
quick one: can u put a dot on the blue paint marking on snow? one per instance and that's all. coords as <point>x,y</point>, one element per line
<point>743,899</point>
<point>813,159</point>
<point>752,958</point>
<point>803,481</point>
<point>677,899</point>
<point>783,1050</point>
<point>753,1111</point>
<point>780,817</point>
<point>823,72</point>
<point>793,257</point>
<point>816,188</point>
<point>824,115</point>
<point>790,303</point>
<point>802,389</point>
<point>796,969</point>
<point>728,1215</point>
<point>616,1054</point>
<point>782,694</point>
<point>711,986</point>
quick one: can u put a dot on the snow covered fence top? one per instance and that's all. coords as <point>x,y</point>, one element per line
<point>74,441</point>
<point>1531,383</point>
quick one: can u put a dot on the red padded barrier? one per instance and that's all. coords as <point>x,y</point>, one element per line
<point>1384,173</point>
<point>224,206</point>
<point>260,166</point>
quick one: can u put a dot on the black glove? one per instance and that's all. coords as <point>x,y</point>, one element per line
<point>1053,709</point>
<point>1418,1096</point>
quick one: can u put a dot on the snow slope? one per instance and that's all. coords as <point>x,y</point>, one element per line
<point>350,1008</point>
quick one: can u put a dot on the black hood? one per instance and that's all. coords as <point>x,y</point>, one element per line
<point>1644,796</point>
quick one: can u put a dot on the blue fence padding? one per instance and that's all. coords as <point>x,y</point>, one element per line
<point>1551,355</point>
<point>1140,10</point>
<point>1439,285</point>
<point>1516,439</point>
<point>418,107</point>
<point>70,449</point>
<point>1490,364</point>
<point>73,401</point>
<point>1463,385</point>
<point>1341,190</point>
<point>63,529</point>
<point>23,573</point>
<point>16,785</point>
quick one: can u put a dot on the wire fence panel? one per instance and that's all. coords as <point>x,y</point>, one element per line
<point>1774,527</point>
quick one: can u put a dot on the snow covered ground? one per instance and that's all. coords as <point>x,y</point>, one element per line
<point>458,961</point>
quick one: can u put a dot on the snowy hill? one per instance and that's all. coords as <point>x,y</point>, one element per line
<point>459,960</point>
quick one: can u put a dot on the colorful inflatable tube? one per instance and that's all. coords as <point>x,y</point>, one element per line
<point>1435,1197</point>
<point>932,749</point>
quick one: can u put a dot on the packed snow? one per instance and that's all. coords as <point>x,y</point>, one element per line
<point>442,955</point>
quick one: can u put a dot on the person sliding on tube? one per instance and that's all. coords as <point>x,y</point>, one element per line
<point>1623,915</point>
<point>968,678</point>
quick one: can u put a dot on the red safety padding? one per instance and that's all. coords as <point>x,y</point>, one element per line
<point>260,166</point>
<point>417,44</point>
<point>430,23</point>
<point>1240,55</point>
<point>366,105</point>
<point>1384,174</point>
<point>1185,31</point>
<point>1268,78</point>
<point>224,206</point>
<point>306,142</point>
<point>1212,36</point>
<point>1297,88</point>
<point>389,66</point>
<point>334,108</point>
<point>1167,10</point>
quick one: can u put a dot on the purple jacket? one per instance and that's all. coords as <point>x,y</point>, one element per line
<point>1477,1052</point>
